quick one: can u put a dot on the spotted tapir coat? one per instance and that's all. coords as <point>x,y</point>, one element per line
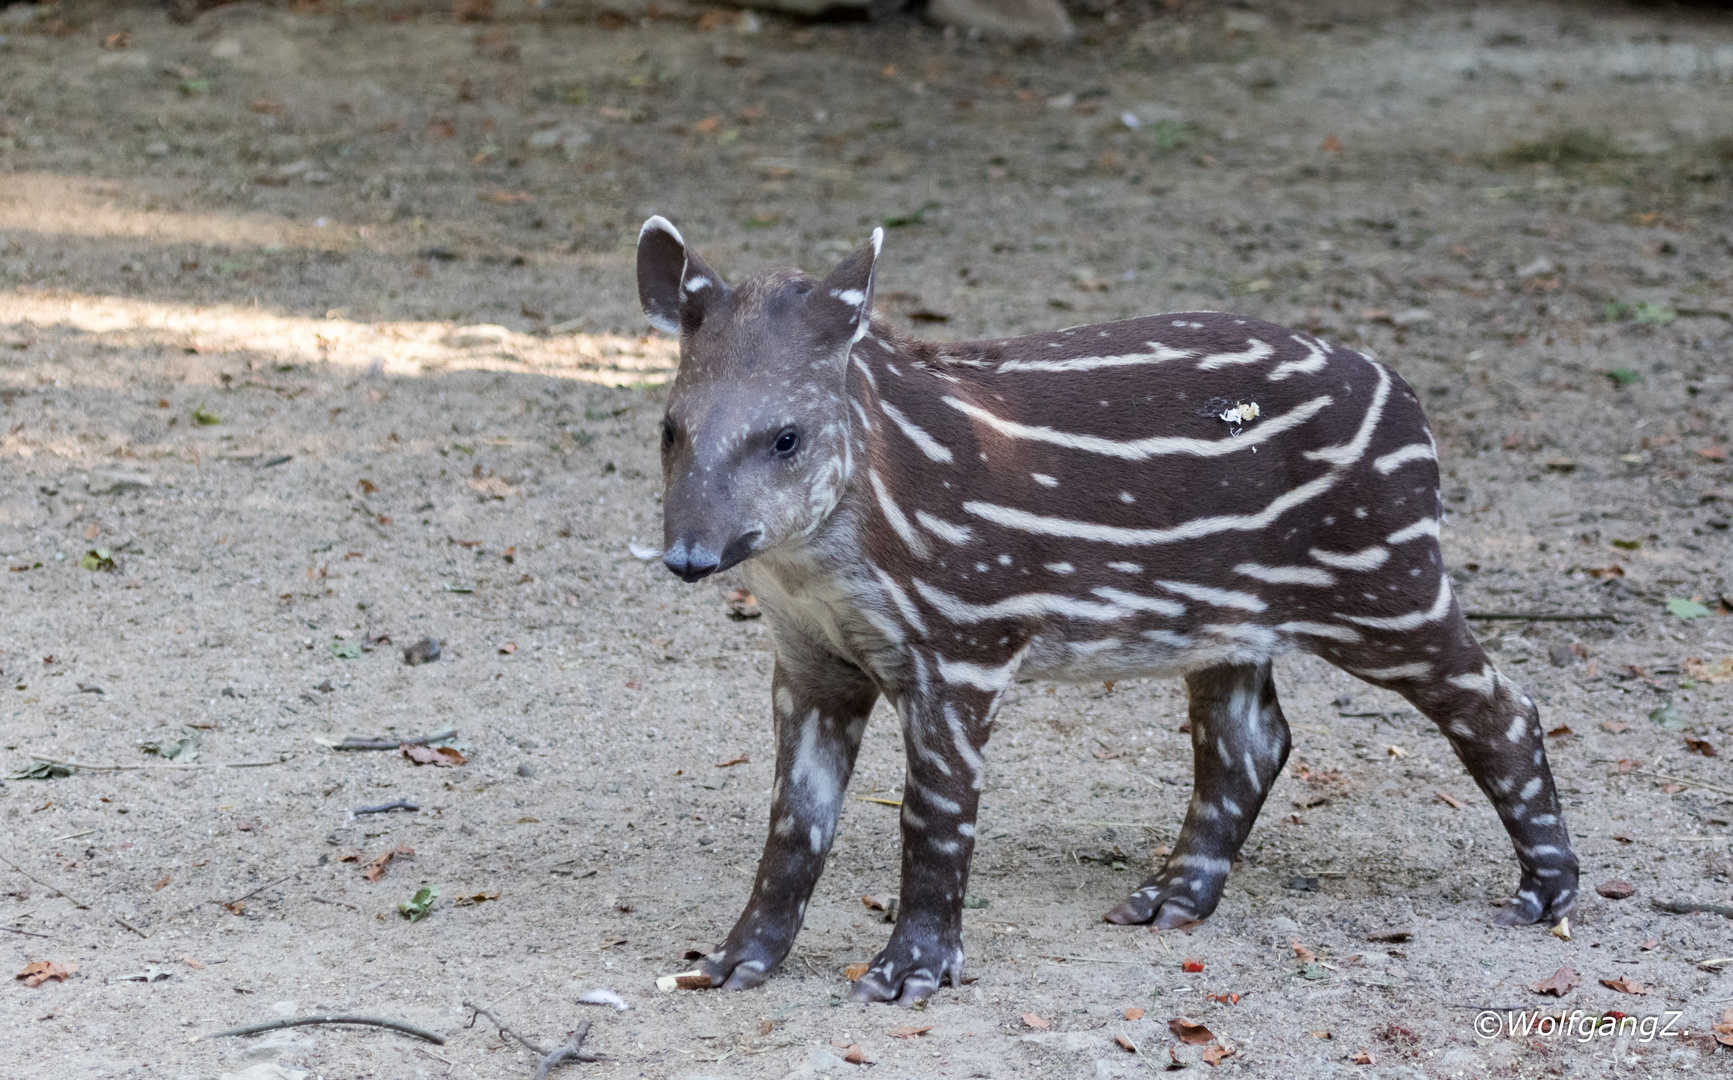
<point>1187,495</point>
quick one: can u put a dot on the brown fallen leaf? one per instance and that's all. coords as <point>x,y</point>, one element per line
<point>192,963</point>
<point>1700,746</point>
<point>1724,1030</point>
<point>1624,838</point>
<point>476,898</point>
<point>1672,789</point>
<point>1362,1057</point>
<point>1450,801</point>
<point>1320,1035</point>
<point>1036,1022</point>
<point>1558,984</point>
<point>1625,986</point>
<point>1125,1043</point>
<point>910,1032</point>
<point>766,1026</point>
<point>1224,999</point>
<point>1134,1013</point>
<point>1719,671</point>
<point>1391,937</point>
<point>1616,727</point>
<point>1616,889</point>
<point>1301,953</point>
<point>1650,945</point>
<point>854,972</point>
<point>1189,1031</point>
<point>159,886</point>
<point>737,759</point>
<point>443,756</point>
<point>349,856</point>
<point>1560,732</point>
<point>35,974</point>
<point>375,870</point>
<point>1216,1053</point>
<point>611,942</point>
<point>851,1052</point>
<point>1626,766</point>
<point>236,907</point>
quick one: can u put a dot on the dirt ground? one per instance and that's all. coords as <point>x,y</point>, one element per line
<point>317,332</point>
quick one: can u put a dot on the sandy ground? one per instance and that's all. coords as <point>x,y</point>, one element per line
<point>324,331</point>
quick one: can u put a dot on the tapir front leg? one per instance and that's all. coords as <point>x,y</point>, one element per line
<point>821,705</point>
<point>943,735</point>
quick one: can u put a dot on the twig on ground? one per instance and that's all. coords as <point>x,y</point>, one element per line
<point>302,1021</point>
<point>569,1052</point>
<point>26,933</point>
<point>142,768</point>
<point>1090,959</point>
<point>1685,780</point>
<point>254,893</point>
<point>1536,616</point>
<point>133,928</point>
<point>335,903</point>
<point>57,889</point>
<point>1687,907</point>
<point>353,743</point>
<point>386,808</point>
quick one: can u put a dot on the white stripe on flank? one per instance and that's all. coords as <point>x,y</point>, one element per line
<point>1286,575</point>
<point>1044,480</point>
<point>1423,527</point>
<point>1254,352</point>
<point>1024,521</point>
<point>1215,597</point>
<point>1413,619</point>
<point>1125,567</point>
<point>894,515</point>
<point>1481,681</point>
<point>1354,449</point>
<point>1417,670</point>
<point>1134,602</point>
<point>901,599</point>
<point>1323,630</point>
<point>982,678</point>
<point>1142,449</point>
<point>958,610</point>
<point>1370,559</point>
<point>1313,363</point>
<point>1395,459</point>
<point>944,530</point>
<point>929,446</point>
<point>867,371</point>
<point>1158,354</point>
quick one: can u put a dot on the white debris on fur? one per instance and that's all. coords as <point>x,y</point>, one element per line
<point>1242,414</point>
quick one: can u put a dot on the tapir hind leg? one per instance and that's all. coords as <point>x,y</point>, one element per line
<point>1239,743</point>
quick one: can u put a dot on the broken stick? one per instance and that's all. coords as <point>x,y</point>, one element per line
<point>571,1051</point>
<point>353,743</point>
<point>302,1021</point>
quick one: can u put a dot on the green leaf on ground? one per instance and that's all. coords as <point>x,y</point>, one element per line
<point>1624,376</point>
<point>41,770</point>
<point>1687,609</point>
<point>181,745</point>
<point>345,650</point>
<point>97,559</point>
<point>1667,715</point>
<point>203,417</point>
<point>970,901</point>
<point>418,906</point>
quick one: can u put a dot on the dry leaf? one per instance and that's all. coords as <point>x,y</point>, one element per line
<point>1616,889</point>
<point>1301,953</point>
<point>443,756</point>
<point>1650,945</point>
<point>1036,1022</point>
<point>476,898</point>
<point>852,1053</point>
<point>1700,746</point>
<point>737,759</point>
<point>41,971</point>
<point>159,886</point>
<point>1447,800</point>
<point>1191,966</point>
<point>376,869</point>
<point>1560,732</point>
<point>1125,1043</point>
<point>910,1032</point>
<point>1558,984</point>
<point>1625,986</point>
<point>1724,1030</point>
<point>1616,727</point>
<point>1362,1057</point>
<point>1224,999</point>
<point>1134,1013</point>
<point>1187,1030</point>
<point>1720,671</point>
<point>854,972</point>
<point>192,963</point>
<point>611,942</point>
<point>1320,1035</point>
<point>1216,1054</point>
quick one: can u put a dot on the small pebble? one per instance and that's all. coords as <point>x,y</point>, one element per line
<point>425,651</point>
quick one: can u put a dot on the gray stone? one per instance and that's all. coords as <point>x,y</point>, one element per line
<point>1018,20</point>
<point>115,481</point>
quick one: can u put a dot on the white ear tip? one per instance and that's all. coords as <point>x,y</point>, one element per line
<point>878,241</point>
<point>661,224</point>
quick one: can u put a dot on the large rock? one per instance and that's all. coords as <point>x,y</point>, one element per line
<point>1019,20</point>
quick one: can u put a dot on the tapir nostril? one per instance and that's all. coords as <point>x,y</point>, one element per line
<point>690,562</point>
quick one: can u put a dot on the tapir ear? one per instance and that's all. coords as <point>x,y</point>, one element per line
<point>675,286</point>
<point>844,300</point>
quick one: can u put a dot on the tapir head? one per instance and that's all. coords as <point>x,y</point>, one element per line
<point>757,443</point>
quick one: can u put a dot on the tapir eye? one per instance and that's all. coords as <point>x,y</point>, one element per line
<point>786,442</point>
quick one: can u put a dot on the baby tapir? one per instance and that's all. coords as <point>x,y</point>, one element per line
<point>1186,494</point>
